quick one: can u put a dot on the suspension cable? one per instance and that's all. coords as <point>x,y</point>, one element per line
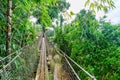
<point>18,50</point>
<point>72,68</point>
<point>1,70</point>
<point>93,77</point>
<point>10,55</point>
<point>4,67</point>
<point>66,56</point>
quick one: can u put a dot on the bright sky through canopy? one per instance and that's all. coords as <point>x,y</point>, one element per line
<point>113,15</point>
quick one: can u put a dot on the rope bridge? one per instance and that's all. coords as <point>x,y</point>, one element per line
<point>40,60</point>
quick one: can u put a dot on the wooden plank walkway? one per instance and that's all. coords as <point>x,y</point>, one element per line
<point>42,71</point>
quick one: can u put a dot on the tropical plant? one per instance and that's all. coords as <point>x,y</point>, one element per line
<point>92,44</point>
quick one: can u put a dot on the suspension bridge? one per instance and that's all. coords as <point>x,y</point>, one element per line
<point>40,60</point>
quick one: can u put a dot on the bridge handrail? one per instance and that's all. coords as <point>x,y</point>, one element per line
<point>91,76</point>
<point>17,51</point>
<point>5,66</point>
<point>10,55</point>
<point>72,68</point>
<point>68,64</point>
<point>64,55</point>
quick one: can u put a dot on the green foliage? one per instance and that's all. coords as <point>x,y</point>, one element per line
<point>98,5</point>
<point>3,9</point>
<point>92,44</point>
<point>58,7</point>
<point>60,39</point>
<point>41,12</point>
<point>110,31</point>
<point>22,30</point>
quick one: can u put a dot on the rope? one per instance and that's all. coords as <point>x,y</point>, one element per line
<point>66,60</point>
<point>69,65</point>
<point>72,68</point>
<point>93,77</point>
<point>13,53</point>
<point>66,56</point>
<point>4,67</point>
<point>66,65</point>
<point>10,55</point>
<point>18,50</point>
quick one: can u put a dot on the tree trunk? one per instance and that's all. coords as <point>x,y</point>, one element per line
<point>9,26</point>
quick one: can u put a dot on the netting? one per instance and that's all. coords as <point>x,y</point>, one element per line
<point>67,68</point>
<point>67,61</point>
<point>41,55</point>
<point>78,68</point>
<point>22,64</point>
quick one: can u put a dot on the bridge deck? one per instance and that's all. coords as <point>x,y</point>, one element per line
<point>45,69</point>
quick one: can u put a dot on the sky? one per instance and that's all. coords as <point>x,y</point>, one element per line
<point>113,15</point>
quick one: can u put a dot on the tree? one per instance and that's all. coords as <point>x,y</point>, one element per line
<point>104,5</point>
<point>9,27</point>
<point>17,16</point>
<point>22,31</point>
<point>57,10</point>
<point>92,44</point>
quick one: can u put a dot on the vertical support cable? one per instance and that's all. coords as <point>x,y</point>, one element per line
<point>9,26</point>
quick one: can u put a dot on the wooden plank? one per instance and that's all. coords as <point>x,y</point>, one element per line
<point>42,71</point>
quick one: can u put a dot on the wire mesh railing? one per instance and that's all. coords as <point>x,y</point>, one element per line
<point>67,61</point>
<point>71,72</point>
<point>22,64</point>
<point>67,67</point>
<point>71,61</point>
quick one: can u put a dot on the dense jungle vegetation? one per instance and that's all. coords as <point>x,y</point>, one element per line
<point>93,44</point>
